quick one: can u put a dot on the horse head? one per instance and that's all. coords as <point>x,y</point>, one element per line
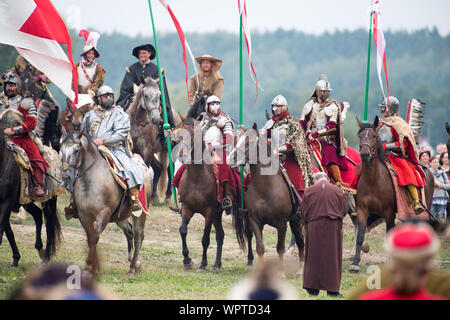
<point>246,147</point>
<point>369,142</point>
<point>150,99</point>
<point>73,151</point>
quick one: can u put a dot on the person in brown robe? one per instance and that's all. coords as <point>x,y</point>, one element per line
<point>323,208</point>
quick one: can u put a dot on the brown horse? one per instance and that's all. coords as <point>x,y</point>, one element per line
<point>267,200</point>
<point>198,194</point>
<point>71,119</point>
<point>99,199</point>
<point>9,201</point>
<point>375,198</point>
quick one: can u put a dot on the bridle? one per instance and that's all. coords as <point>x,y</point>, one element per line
<point>366,142</point>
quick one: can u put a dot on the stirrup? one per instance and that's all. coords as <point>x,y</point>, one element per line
<point>418,208</point>
<point>227,204</point>
<point>175,209</point>
<point>136,209</point>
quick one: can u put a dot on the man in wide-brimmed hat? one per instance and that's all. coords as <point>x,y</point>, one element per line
<point>135,75</point>
<point>208,81</point>
<point>91,75</point>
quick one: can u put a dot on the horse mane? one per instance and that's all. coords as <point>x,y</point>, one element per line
<point>135,103</point>
<point>380,150</point>
<point>196,110</point>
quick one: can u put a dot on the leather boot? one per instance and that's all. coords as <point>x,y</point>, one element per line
<point>227,202</point>
<point>414,196</point>
<point>136,208</point>
<point>336,175</point>
<point>71,211</point>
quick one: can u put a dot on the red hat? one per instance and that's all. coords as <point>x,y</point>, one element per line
<point>412,241</point>
<point>90,43</point>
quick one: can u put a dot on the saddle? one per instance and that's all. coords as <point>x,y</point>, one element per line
<point>114,163</point>
<point>52,186</point>
<point>405,210</point>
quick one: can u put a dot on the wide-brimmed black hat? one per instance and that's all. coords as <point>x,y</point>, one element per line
<point>147,47</point>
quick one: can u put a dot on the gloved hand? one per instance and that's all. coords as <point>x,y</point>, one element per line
<point>315,134</point>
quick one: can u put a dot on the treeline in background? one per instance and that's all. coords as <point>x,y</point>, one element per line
<point>289,62</point>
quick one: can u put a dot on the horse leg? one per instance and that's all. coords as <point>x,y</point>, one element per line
<point>297,235</point>
<point>281,230</point>
<point>138,228</point>
<point>220,235</point>
<point>12,242</point>
<point>257,230</point>
<point>157,169</point>
<point>390,220</point>
<point>186,216</point>
<point>36,213</point>
<point>205,239</point>
<point>127,229</point>
<point>291,246</point>
<point>250,256</point>
<point>354,267</point>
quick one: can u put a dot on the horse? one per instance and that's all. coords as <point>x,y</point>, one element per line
<point>99,199</point>
<point>375,198</point>
<point>145,120</point>
<point>71,119</point>
<point>263,205</point>
<point>9,201</point>
<point>198,194</point>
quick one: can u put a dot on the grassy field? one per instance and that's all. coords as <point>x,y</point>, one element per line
<point>162,276</point>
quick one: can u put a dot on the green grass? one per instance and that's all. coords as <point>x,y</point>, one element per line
<point>162,275</point>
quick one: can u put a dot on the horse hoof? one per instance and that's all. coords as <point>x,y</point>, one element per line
<point>167,201</point>
<point>291,250</point>
<point>249,267</point>
<point>353,268</point>
<point>42,254</point>
<point>15,263</point>
<point>131,272</point>
<point>201,269</point>
<point>188,266</point>
<point>365,247</point>
<point>216,268</point>
<point>88,273</point>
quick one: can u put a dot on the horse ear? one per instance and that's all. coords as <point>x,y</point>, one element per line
<point>360,124</point>
<point>375,122</point>
<point>255,126</point>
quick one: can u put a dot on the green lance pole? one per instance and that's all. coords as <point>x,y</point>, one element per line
<point>366,100</point>
<point>166,125</point>
<point>241,92</point>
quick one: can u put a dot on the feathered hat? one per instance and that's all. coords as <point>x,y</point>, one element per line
<point>90,39</point>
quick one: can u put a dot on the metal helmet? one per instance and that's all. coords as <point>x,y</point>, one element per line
<point>11,77</point>
<point>392,106</point>
<point>104,90</point>
<point>216,107</point>
<point>323,87</point>
<point>279,100</point>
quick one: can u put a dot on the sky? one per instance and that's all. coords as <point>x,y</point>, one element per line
<point>132,17</point>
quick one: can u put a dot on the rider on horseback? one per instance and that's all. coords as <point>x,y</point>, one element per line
<point>109,125</point>
<point>400,146</point>
<point>215,117</point>
<point>284,131</point>
<point>320,120</point>
<point>11,99</point>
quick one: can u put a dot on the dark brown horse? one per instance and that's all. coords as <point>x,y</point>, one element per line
<point>267,199</point>
<point>9,201</point>
<point>375,198</point>
<point>71,119</point>
<point>198,194</point>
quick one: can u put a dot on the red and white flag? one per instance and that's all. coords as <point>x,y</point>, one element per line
<point>183,40</point>
<point>380,42</point>
<point>35,28</point>
<point>248,40</point>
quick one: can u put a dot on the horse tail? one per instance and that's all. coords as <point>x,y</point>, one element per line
<point>240,227</point>
<point>163,158</point>
<point>53,226</point>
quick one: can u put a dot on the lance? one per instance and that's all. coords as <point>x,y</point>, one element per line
<point>366,99</point>
<point>241,92</point>
<point>166,125</point>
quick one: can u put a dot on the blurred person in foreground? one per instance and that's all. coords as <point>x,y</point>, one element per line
<point>411,248</point>
<point>323,209</point>
<point>58,282</point>
<point>266,283</point>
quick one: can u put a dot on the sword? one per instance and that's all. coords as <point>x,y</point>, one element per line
<point>54,178</point>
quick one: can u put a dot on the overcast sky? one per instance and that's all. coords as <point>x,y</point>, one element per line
<point>311,16</point>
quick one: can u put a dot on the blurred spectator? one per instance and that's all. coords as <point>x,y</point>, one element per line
<point>323,209</point>
<point>440,148</point>
<point>424,157</point>
<point>57,282</point>
<point>443,161</point>
<point>440,194</point>
<point>266,283</point>
<point>411,248</point>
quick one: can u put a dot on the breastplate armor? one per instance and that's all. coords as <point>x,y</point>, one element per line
<point>385,134</point>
